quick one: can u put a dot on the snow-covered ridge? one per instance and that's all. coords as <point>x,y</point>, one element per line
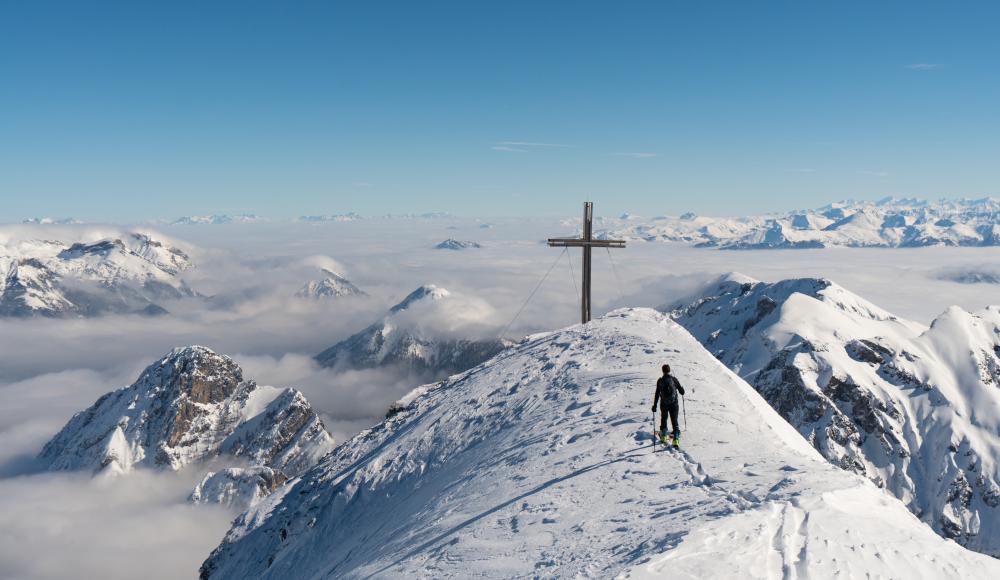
<point>125,272</point>
<point>191,406</point>
<point>914,409</point>
<point>538,463</point>
<point>887,223</point>
<point>431,331</point>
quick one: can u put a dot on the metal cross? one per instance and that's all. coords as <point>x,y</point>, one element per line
<point>586,242</point>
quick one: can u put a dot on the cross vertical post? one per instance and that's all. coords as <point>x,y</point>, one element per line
<point>588,236</point>
<point>587,243</point>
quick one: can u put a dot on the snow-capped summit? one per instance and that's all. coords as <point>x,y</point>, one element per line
<point>914,409</point>
<point>124,273</point>
<point>539,463</point>
<point>425,292</point>
<point>190,406</point>
<point>331,285</point>
<point>428,331</point>
<point>453,244</point>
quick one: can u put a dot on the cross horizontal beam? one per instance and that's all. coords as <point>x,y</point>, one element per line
<point>582,243</point>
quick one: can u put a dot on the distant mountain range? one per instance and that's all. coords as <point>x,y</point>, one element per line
<point>47,221</point>
<point>354,216</point>
<point>129,272</point>
<point>217,219</point>
<point>889,223</point>
<point>337,217</point>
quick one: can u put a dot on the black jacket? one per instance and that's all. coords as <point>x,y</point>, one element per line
<point>667,388</point>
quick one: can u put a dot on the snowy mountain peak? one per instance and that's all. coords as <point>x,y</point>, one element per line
<point>453,244</point>
<point>422,334</point>
<point>914,409</point>
<point>195,372</point>
<point>191,405</point>
<point>129,272</point>
<point>539,463</point>
<point>426,292</point>
<point>746,301</point>
<point>331,285</point>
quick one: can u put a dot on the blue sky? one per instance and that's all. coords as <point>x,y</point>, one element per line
<point>136,110</point>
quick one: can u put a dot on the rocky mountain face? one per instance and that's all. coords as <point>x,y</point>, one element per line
<point>331,285</point>
<point>191,406</point>
<point>539,463</point>
<point>128,273</point>
<point>887,223</point>
<point>402,338</point>
<point>916,410</point>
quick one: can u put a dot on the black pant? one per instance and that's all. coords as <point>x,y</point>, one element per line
<point>671,409</point>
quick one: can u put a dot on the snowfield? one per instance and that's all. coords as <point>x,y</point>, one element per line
<point>539,463</point>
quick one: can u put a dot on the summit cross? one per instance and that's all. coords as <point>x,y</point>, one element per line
<point>587,242</point>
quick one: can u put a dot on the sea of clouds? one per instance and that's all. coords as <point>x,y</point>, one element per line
<point>58,525</point>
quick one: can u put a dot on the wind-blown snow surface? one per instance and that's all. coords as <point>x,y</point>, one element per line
<point>539,463</point>
<point>914,409</point>
<point>887,223</point>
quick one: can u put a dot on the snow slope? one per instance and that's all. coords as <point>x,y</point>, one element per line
<point>886,223</point>
<point>914,409</point>
<point>425,332</point>
<point>191,406</point>
<point>538,463</point>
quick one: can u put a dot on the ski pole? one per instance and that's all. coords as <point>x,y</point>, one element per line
<point>654,431</point>
<point>684,410</point>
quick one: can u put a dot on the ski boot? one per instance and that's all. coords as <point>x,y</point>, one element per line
<point>676,442</point>
<point>663,437</point>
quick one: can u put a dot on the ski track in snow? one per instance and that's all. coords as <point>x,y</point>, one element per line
<point>541,463</point>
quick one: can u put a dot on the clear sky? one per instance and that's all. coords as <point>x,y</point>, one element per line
<point>139,109</point>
